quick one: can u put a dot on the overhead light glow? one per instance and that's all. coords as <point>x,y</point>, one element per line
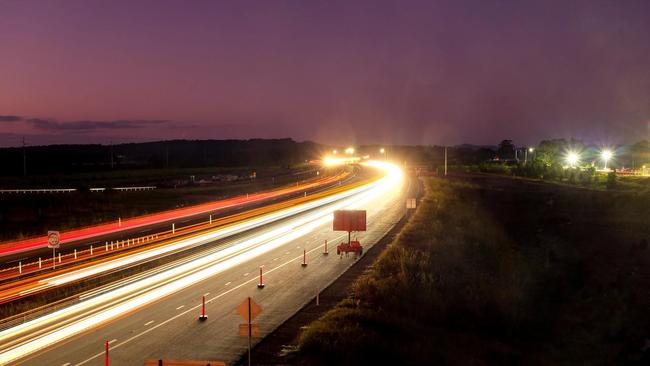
<point>572,158</point>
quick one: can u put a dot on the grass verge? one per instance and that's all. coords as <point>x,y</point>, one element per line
<point>461,285</point>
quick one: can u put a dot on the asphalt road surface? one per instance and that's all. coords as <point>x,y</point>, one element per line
<point>160,318</point>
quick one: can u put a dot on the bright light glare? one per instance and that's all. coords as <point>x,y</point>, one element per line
<point>572,158</point>
<point>330,161</point>
<point>382,150</point>
<point>606,154</point>
<point>349,150</point>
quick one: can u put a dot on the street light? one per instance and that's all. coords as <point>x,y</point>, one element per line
<point>334,152</point>
<point>383,152</point>
<point>606,155</point>
<point>572,158</point>
<point>349,150</point>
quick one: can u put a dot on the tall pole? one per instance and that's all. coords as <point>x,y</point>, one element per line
<point>250,330</point>
<point>445,161</point>
<point>526,156</point>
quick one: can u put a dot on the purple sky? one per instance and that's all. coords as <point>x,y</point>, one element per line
<point>417,72</point>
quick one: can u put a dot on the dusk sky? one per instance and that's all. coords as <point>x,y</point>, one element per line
<point>411,72</point>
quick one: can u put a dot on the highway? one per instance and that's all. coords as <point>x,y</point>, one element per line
<point>154,314</point>
<point>153,223</point>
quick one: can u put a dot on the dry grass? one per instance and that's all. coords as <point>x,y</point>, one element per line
<point>463,285</point>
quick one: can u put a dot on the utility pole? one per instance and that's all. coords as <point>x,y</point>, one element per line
<point>526,156</point>
<point>24,158</point>
<point>445,161</point>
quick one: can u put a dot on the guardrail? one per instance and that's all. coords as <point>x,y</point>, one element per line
<point>70,190</point>
<point>39,190</point>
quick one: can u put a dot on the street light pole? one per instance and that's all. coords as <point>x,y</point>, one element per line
<point>445,161</point>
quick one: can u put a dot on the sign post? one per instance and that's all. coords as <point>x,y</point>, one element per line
<point>249,310</point>
<point>53,241</point>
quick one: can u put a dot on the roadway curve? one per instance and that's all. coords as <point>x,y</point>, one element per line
<point>154,314</point>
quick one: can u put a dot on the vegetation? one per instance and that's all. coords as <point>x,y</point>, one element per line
<point>500,272</point>
<point>48,166</point>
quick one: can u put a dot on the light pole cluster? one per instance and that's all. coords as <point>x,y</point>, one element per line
<point>573,158</point>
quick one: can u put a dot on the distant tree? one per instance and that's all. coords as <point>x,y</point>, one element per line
<point>549,151</point>
<point>484,154</point>
<point>639,153</point>
<point>506,150</point>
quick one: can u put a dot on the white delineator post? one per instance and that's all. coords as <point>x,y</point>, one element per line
<point>445,161</point>
<point>261,284</point>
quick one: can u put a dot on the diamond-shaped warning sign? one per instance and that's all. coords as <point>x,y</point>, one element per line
<point>255,309</point>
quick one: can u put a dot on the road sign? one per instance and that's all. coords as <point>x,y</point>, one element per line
<point>53,239</point>
<point>349,220</point>
<point>242,310</point>
<point>249,310</point>
<point>243,330</point>
<point>411,203</point>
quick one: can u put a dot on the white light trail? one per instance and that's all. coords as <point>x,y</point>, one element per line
<point>42,332</point>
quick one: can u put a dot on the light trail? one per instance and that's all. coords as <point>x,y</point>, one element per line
<point>35,335</point>
<point>90,232</point>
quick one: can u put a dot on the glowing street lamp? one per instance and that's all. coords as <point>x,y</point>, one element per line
<point>572,158</point>
<point>606,155</point>
<point>334,152</point>
<point>383,152</point>
<point>349,150</point>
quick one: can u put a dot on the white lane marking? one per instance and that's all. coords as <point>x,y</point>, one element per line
<point>246,274</point>
<point>180,307</point>
<point>66,364</point>
<point>193,308</point>
<point>298,247</point>
<point>287,253</point>
<point>206,294</point>
<point>228,283</point>
<point>147,323</point>
<point>111,341</point>
<point>275,259</point>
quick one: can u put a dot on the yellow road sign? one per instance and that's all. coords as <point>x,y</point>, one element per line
<point>243,330</point>
<point>255,310</point>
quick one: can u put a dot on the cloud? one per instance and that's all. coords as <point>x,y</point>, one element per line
<point>87,126</point>
<point>10,118</point>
